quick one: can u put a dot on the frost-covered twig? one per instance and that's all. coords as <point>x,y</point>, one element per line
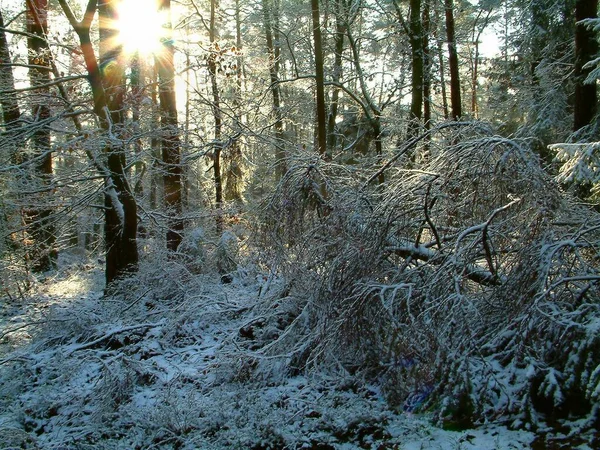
<point>110,334</point>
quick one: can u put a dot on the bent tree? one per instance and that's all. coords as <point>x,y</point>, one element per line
<point>120,217</point>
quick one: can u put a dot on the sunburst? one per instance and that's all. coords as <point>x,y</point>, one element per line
<point>140,27</point>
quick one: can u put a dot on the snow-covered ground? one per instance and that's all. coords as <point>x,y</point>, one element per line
<point>160,365</point>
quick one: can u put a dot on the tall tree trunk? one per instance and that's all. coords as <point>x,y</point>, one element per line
<point>455,99</point>
<point>320,80</point>
<point>274,55</point>
<point>155,176</point>
<point>340,30</point>
<point>11,112</point>
<point>234,173</point>
<point>217,114</point>
<point>416,45</point>
<point>426,66</point>
<point>474,105</point>
<point>136,93</point>
<point>38,217</point>
<point>120,228</point>
<point>121,208</point>
<point>586,47</point>
<point>444,91</point>
<point>170,143</point>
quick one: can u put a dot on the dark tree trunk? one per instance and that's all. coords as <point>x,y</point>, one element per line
<point>120,207</point>
<point>10,107</point>
<point>586,48</point>
<point>43,254</point>
<point>416,45</point>
<point>274,55</point>
<point>170,143</point>
<point>443,89</point>
<point>120,228</point>
<point>320,80</point>
<point>136,92</point>
<point>426,66</point>
<point>474,106</point>
<point>156,180</point>
<point>455,100</point>
<point>217,114</point>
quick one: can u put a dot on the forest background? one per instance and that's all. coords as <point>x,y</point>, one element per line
<point>414,182</point>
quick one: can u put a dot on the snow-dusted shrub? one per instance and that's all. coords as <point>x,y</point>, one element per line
<point>193,249</point>
<point>468,285</point>
<point>580,164</point>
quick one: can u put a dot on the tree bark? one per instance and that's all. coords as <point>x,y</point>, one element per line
<point>416,45</point>
<point>11,112</point>
<point>120,227</point>
<point>320,81</point>
<point>43,254</point>
<point>170,143</point>
<point>455,97</point>
<point>426,21</point>
<point>586,47</point>
<point>120,207</point>
<point>234,172</point>
<point>274,55</point>
<point>340,30</point>
<point>217,114</point>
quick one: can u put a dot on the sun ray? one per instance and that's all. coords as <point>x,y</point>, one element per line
<point>140,27</point>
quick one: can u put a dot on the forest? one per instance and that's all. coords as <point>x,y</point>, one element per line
<point>276,224</point>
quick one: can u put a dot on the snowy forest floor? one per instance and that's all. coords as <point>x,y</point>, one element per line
<point>158,365</point>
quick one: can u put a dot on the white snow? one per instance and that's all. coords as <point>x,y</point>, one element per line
<point>95,372</point>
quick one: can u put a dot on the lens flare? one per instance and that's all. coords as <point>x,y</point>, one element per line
<point>140,27</point>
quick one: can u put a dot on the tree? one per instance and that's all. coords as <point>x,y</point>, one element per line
<point>340,30</point>
<point>120,228</point>
<point>171,154</point>
<point>233,172</point>
<point>271,15</point>
<point>586,47</point>
<point>319,80</point>
<point>215,53</point>
<point>8,100</point>
<point>38,215</point>
<point>455,97</point>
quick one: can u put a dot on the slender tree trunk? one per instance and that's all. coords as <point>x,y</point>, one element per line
<point>11,112</point>
<point>416,44</point>
<point>233,185</point>
<point>476,36</point>
<point>136,92</point>
<point>340,30</point>
<point>170,143</point>
<point>274,55</point>
<point>586,47</point>
<point>443,89</point>
<point>217,114</point>
<point>455,99</point>
<point>426,66</point>
<point>155,177</point>
<point>320,81</point>
<point>474,106</point>
<point>43,255</point>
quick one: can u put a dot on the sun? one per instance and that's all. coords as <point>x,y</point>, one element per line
<point>140,27</point>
